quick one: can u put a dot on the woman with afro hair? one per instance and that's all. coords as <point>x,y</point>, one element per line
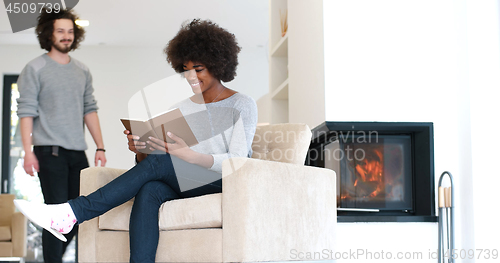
<point>222,120</point>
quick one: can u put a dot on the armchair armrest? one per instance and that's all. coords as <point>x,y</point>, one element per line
<point>92,179</point>
<point>270,209</point>
<point>19,226</point>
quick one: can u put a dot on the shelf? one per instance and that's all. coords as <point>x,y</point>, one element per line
<point>281,93</point>
<point>281,48</point>
<point>278,63</point>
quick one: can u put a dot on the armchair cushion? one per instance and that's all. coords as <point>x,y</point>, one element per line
<point>191,213</point>
<point>286,142</point>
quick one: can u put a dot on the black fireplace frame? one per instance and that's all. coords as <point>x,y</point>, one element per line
<point>422,137</point>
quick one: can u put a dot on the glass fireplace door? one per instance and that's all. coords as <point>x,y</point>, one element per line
<point>372,172</point>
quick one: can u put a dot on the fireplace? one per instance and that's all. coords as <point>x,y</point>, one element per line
<point>385,170</point>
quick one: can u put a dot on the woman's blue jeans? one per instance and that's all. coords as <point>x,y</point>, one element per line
<point>152,182</point>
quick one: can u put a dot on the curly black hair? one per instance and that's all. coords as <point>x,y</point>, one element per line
<point>45,28</point>
<point>204,42</point>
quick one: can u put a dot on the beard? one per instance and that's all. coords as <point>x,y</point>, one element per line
<point>63,48</point>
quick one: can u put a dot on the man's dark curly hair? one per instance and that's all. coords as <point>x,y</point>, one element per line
<point>204,42</point>
<point>45,28</point>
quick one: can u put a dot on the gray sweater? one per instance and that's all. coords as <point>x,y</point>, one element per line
<point>224,129</point>
<point>57,97</point>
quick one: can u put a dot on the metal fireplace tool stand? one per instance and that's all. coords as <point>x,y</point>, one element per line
<point>446,216</point>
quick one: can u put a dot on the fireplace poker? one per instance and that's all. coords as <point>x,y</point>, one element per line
<point>445,200</point>
<point>441,203</point>
<point>447,204</point>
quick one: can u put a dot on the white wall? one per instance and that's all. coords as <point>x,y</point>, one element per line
<point>403,61</point>
<point>119,72</point>
<point>483,42</point>
<point>305,58</point>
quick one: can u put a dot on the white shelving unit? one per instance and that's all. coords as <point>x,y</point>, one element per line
<point>281,93</point>
<point>278,64</point>
<point>296,64</point>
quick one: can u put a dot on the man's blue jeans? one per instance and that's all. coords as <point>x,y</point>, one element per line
<point>152,182</point>
<point>60,181</point>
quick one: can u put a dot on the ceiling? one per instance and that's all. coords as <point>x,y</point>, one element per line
<point>152,23</point>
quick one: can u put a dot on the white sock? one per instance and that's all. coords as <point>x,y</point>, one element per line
<point>63,218</point>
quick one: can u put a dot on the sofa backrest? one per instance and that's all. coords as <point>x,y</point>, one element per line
<point>6,209</point>
<point>287,142</point>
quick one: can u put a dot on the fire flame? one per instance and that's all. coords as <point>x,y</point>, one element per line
<point>376,177</point>
<point>371,171</point>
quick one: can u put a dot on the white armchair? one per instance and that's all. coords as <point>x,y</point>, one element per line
<point>270,205</point>
<point>13,229</point>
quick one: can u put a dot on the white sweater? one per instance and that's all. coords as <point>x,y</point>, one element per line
<point>224,129</point>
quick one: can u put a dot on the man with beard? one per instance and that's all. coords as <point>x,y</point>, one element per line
<point>56,101</point>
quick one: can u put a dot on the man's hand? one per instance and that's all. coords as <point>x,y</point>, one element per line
<point>100,156</point>
<point>30,163</point>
